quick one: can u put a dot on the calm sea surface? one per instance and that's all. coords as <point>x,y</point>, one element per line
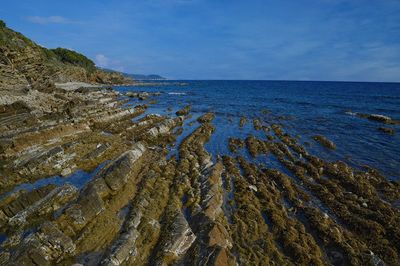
<point>304,108</point>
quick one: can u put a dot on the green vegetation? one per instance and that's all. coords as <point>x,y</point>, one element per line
<point>12,38</point>
<point>17,41</point>
<point>74,58</point>
<point>55,64</point>
<point>49,54</point>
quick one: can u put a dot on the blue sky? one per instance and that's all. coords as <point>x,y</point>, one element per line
<point>355,40</point>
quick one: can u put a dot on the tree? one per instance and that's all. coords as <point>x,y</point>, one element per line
<point>74,58</point>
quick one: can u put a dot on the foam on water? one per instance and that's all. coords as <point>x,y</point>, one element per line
<point>177,93</point>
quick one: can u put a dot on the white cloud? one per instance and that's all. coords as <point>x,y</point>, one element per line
<point>49,20</point>
<point>105,62</point>
<point>101,60</point>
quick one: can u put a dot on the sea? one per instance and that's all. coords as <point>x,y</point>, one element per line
<point>304,108</point>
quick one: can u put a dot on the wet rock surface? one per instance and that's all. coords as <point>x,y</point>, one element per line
<point>158,198</point>
<point>184,111</point>
<point>378,118</point>
<point>142,95</point>
<point>387,130</point>
<point>208,117</point>
<point>325,142</point>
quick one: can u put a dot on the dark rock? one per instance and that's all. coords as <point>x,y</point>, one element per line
<point>257,124</point>
<point>243,121</point>
<point>387,130</point>
<point>325,142</point>
<point>206,118</point>
<point>379,118</point>
<point>235,144</point>
<point>184,111</point>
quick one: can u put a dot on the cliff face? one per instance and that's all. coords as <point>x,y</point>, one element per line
<point>23,63</point>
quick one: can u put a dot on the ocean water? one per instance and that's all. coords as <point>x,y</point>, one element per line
<point>304,108</point>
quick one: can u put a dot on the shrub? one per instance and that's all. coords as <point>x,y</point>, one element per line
<point>74,58</point>
<point>49,54</point>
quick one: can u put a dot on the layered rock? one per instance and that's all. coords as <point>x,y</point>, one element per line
<point>140,202</point>
<point>25,64</point>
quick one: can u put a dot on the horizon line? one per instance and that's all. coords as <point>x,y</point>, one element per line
<point>282,80</point>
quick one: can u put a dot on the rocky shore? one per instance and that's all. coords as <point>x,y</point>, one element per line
<point>88,176</point>
<point>87,179</point>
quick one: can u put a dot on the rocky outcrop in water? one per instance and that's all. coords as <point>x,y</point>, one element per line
<point>206,118</point>
<point>377,118</point>
<point>325,142</point>
<point>148,205</point>
<point>74,129</point>
<point>387,130</point>
<point>184,111</point>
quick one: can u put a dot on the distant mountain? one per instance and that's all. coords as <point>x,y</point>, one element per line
<point>138,76</point>
<point>144,77</point>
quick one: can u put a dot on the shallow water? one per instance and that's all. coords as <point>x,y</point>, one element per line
<point>308,108</point>
<point>78,179</point>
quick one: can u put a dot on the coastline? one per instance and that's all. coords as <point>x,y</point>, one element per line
<point>104,180</point>
<point>70,86</point>
<point>283,150</point>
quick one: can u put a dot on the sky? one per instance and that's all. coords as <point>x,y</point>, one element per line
<point>339,40</point>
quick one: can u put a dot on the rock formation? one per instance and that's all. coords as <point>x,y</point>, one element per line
<point>89,177</point>
<point>25,64</point>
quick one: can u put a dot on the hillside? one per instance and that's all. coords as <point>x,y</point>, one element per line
<point>144,77</point>
<point>24,63</point>
<point>138,76</point>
